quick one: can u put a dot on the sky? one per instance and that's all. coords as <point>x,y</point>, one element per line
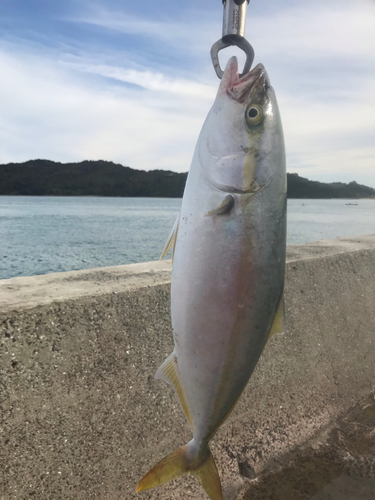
<point>132,82</point>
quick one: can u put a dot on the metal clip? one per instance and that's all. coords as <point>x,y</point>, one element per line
<point>233,34</point>
<point>240,42</point>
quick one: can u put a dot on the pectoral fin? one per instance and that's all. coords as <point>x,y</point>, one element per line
<point>225,206</point>
<point>171,241</point>
<point>169,372</point>
<point>278,324</point>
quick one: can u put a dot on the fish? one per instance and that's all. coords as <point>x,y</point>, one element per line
<point>229,245</point>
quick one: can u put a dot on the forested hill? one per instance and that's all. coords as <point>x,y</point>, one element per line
<point>88,178</point>
<point>299,187</point>
<point>103,178</point>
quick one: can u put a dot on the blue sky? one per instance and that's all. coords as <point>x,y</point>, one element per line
<point>132,82</point>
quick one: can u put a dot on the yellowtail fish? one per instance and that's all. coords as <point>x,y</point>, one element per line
<point>228,269</point>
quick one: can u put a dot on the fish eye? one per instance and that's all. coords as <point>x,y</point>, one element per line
<point>254,115</point>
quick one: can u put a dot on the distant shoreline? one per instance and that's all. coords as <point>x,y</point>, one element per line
<point>107,179</point>
<point>156,197</point>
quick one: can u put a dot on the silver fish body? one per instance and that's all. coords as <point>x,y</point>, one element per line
<point>229,261</point>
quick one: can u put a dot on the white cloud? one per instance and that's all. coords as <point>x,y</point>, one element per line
<point>355,164</point>
<point>315,30</point>
<point>48,113</point>
<point>333,137</point>
<point>128,23</point>
<point>300,30</point>
<point>150,80</point>
<point>192,31</point>
<point>320,56</point>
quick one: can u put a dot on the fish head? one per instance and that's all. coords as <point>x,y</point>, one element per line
<point>241,148</point>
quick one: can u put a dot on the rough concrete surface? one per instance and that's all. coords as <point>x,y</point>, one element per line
<point>81,416</point>
<point>338,463</point>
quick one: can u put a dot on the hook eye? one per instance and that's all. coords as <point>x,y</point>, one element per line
<point>228,41</point>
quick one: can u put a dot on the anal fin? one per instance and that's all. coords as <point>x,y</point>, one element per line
<point>169,372</point>
<point>278,325</point>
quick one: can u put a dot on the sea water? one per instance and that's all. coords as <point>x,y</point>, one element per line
<point>40,235</point>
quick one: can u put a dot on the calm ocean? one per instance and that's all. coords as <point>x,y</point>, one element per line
<point>40,235</point>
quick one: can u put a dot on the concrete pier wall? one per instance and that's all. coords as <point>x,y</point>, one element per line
<point>82,418</point>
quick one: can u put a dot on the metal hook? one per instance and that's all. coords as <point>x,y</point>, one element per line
<point>228,41</point>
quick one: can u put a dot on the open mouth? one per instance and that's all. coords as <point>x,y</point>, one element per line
<point>256,81</point>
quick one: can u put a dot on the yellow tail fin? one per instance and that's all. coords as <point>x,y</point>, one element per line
<point>169,468</point>
<point>176,464</point>
<point>208,476</point>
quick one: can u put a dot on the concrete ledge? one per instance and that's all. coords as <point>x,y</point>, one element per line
<point>81,416</point>
<point>33,291</point>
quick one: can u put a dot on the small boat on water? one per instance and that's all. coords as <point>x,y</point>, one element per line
<point>352,204</point>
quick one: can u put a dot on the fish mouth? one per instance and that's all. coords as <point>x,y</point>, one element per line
<point>254,83</point>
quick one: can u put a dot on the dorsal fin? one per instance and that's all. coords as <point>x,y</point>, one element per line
<point>169,372</point>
